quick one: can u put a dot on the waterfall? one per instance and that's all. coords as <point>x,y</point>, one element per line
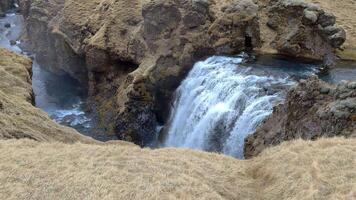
<point>221,102</point>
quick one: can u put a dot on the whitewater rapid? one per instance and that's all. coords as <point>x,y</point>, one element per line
<point>221,102</point>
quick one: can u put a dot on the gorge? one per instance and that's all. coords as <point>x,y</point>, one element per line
<point>177,99</point>
<point>221,102</point>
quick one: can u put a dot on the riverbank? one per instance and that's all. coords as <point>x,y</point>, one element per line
<point>18,116</point>
<point>65,103</point>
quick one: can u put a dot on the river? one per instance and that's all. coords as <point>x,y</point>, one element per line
<point>61,96</point>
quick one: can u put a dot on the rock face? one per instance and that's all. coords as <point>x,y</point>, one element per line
<point>312,110</point>
<point>343,10</point>
<point>80,171</point>
<point>52,49</point>
<point>304,29</point>
<point>18,117</point>
<point>135,53</point>
<point>5,5</point>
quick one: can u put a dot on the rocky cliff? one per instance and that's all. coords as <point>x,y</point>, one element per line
<point>18,117</point>
<point>296,170</point>
<point>344,10</point>
<point>135,53</point>
<point>301,29</point>
<point>312,110</point>
<point>5,5</point>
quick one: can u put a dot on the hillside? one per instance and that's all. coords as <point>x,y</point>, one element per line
<point>299,170</point>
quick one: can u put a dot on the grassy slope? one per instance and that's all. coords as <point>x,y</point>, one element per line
<point>300,170</point>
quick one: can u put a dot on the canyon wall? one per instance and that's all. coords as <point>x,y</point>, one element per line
<point>312,110</point>
<point>5,5</point>
<point>344,10</point>
<point>18,116</point>
<point>133,54</point>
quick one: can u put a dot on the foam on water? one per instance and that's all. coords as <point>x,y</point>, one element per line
<point>13,33</point>
<point>61,97</point>
<point>221,102</point>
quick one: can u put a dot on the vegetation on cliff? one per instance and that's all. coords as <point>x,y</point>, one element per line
<point>18,116</point>
<point>137,52</point>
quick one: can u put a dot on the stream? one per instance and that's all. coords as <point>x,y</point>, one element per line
<point>61,96</point>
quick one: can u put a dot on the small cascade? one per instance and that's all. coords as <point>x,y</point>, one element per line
<point>222,101</point>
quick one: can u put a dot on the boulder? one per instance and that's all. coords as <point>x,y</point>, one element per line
<point>304,29</point>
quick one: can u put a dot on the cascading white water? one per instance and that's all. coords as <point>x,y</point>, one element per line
<point>220,103</point>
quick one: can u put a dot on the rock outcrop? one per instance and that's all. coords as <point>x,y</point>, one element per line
<point>295,170</point>
<point>135,53</point>
<point>303,29</point>
<point>18,117</point>
<point>343,10</point>
<point>312,110</point>
<point>5,5</point>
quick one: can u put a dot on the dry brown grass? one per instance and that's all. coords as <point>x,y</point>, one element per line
<point>299,170</point>
<point>18,117</point>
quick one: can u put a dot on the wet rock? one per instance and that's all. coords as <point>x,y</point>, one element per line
<point>160,39</point>
<point>7,25</point>
<point>352,85</point>
<point>136,54</point>
<point>6,5</point>
<point>13,42</point>
<point>324,90</point>
<point>310,16</point>
<point>312,110</point>
<point>337,39</point>
<point>326,19</point>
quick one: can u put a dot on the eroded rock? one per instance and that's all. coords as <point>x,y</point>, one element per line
<point>312,110</point>
<point>18,117</point>
<point>5,5</point>
<point>304,29</point>
<point>135,53</point>
<point>158,41</point>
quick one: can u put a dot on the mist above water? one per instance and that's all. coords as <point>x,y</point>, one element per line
<point>61,96</point>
